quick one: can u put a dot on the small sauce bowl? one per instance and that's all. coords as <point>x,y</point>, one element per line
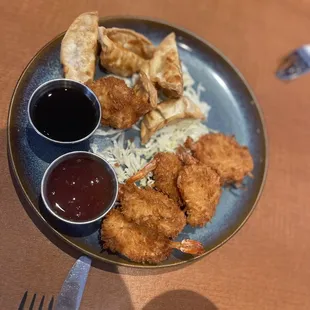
<point>79,188</point>
<point>64,111</point>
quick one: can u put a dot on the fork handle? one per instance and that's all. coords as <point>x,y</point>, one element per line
<point>71,293</point>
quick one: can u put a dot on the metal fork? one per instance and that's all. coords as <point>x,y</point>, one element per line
<point>295,64</point>
<point>33,300</point>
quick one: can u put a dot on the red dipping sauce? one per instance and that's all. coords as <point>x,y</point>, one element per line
<point>81,188</point>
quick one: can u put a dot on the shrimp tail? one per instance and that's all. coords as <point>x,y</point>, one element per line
<point>186,157</point>
<point>143,172</point>
<point>189,143</point>
<point>188,246</point>
<point>121,190</point>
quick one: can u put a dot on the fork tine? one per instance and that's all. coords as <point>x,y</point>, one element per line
<point>41,303</point>
<point>22,303</point>
<point>33,301</point>
<point>51,304</point>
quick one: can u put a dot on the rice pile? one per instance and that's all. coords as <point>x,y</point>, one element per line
<point>122,148</point>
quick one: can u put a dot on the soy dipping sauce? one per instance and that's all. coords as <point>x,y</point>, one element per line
<point>65,114</point>
<point>80,188</point>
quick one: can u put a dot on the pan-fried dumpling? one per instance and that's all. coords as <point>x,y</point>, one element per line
<point>131,41</point>
<point>164,69</point>
<point>78,48</point>
<point>123,52</point>
<point>168,112</point>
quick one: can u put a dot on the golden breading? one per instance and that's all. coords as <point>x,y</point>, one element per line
<point>138,242</point>
<point>166,174</point>
<point>165,167</point>
<point>231,161</point>
<point>123,51</point>
<point>122,106</point>
<point>152,209</point>
<point>78,48</point>
<point>200,188</point>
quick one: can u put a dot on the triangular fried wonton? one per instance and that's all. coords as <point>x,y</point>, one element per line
<point>146,90</point>
<point>164,69</point>
<point>168,112</point>
<point>78,48</point>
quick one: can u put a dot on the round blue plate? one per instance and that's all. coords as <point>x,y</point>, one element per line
<point>234,111</point>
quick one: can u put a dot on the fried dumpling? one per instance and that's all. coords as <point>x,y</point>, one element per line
<point>131,41</point>
<point>164,69</point>
<point>168,112</point>
<point>123,52</point>
<point>78,48</point>
<point>122,106</point>
<point>145,90</point>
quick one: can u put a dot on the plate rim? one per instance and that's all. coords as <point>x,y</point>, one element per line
<point>129,263</point>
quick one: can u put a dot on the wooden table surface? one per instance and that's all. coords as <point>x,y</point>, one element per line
<point>267,264</point>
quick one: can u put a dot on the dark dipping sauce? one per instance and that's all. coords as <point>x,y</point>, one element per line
<point>65,114</point>
<point>80,188</point>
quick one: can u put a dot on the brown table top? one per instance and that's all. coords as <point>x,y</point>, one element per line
<point>266,265</point>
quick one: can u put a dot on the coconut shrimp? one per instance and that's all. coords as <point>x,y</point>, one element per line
<point>152,209</point>
<point>223,153</point>
<point>197,185</point>
<point>139,243</point>
<point>165,168</point>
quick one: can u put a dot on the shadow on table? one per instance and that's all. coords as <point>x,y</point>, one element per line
<point>111,281</point>
<point>114,282</point>
<point>180,299</point>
